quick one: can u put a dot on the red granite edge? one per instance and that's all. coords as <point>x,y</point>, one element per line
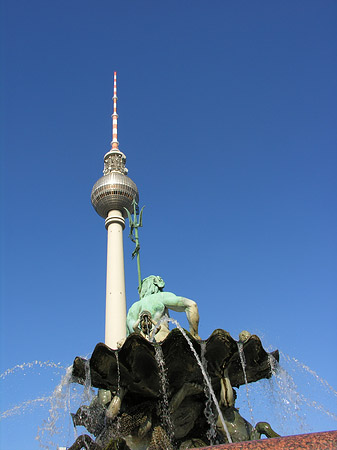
<point>325,440</point>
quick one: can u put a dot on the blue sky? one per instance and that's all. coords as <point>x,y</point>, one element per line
<point>227,116</point>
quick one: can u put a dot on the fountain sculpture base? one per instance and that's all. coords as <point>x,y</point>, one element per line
<point>157,392</point>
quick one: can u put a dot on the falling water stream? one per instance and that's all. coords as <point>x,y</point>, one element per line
<point>118,388</point>
<point>118,373</point>
<point>206,378</point>
<point>59,401</point>
<point>60,407</point>
<point>208,411</point>
<point>30,365</point>
<point>29,404</point>
<point>18,409</point>
<point>305,368</point>
<point>243,364</point>
<point>288,399</point>
<point>164,387</point>
<point>88,392</point>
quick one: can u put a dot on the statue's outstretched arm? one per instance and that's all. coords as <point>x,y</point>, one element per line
<point>181,304</point>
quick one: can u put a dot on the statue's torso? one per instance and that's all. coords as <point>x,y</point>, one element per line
<point>154,304</point>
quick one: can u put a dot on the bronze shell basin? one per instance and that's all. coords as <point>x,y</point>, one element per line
<point>138,369</point>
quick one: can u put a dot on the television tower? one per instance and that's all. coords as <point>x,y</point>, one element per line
<point>113,192</point>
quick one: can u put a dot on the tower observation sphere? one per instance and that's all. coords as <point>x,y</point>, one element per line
<point>114,190</point>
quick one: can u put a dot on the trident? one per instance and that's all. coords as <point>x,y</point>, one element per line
<point>135,223</point>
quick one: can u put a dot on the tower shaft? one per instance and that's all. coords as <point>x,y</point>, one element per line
<point>115,306</point>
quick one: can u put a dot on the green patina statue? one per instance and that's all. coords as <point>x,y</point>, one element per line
<point>153,305</point>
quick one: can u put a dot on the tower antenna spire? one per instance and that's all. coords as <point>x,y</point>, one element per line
<point>114,142</point>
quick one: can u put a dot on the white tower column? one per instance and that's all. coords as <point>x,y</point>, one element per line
<point>115,309</point>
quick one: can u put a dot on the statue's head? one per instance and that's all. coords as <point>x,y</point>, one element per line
<point>151,285</point>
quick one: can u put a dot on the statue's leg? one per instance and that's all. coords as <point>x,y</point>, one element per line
<point>238,427</point>
<point>186,390</point>
<point>227,393</point>
<point>265,429</point>
<point>115,404</point>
